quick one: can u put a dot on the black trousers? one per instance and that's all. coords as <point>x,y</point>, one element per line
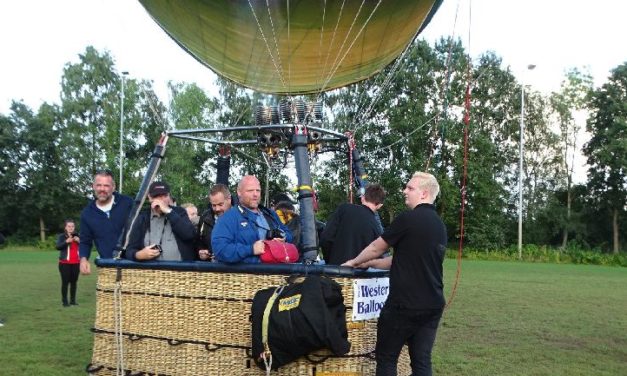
<point>399,326</point>
<point>69,276</point>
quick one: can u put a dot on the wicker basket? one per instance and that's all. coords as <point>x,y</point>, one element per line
<point>197,322</point>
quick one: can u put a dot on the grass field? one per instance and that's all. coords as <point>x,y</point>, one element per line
<point>507,319</point>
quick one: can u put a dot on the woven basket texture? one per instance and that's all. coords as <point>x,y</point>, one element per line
<point>198,323</point>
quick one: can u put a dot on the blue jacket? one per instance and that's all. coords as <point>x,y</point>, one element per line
<point>105,232</point>
<point>235,233</point>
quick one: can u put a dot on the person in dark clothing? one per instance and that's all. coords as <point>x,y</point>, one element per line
<point>163,232</point>
<point>220,202</point>
<point>352,227</point>
<point>103,219</point>
<point>287,214</point>
<point>413,309</point>
<point>67,244</point>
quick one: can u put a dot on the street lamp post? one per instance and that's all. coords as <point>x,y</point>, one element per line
<point>520,172</point>
<point>124,74</point>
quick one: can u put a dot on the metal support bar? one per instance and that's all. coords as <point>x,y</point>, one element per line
<point>309,241</point>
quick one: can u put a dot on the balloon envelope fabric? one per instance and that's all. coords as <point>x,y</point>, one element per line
<point>296,46</point>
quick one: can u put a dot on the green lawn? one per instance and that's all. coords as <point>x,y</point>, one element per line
<point>508,318</point>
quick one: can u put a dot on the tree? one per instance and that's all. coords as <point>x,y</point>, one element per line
<point>89,102</point>
<point>185,167</point>
<point>607,150</point>
<point>566,104</point>
<point>492,155</point>
<point>542,158</point>
<point>47,197</point>
<point>11,154</point>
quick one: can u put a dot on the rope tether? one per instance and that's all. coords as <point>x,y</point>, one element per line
<point>351,147</point>
<point>117,312</point>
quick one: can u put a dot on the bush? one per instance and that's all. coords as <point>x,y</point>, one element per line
<point>48,244</point>
<point>573,254</point>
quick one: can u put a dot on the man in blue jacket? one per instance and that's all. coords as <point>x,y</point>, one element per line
<point>239,234</point>
<point>103,220</point>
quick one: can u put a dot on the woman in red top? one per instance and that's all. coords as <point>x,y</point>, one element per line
<point>67,244</point>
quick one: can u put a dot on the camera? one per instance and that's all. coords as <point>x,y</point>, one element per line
<point>275,233</point>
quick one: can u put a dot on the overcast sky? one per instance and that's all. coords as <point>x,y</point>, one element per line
<point>37,37</point>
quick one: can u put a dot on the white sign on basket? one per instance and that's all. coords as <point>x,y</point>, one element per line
<point>369,295</point>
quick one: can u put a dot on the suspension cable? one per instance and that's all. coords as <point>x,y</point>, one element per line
<point>265,40</point>
<point>326,61</point>
<point>351,147</point>
<point>467,107</point>
<point>339,63</point>
<point>443,95</point>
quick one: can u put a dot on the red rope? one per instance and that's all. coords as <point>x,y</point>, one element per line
<point>351,147</point>
<point>463,192</point>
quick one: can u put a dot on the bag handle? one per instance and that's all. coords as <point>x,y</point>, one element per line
<point>266,355</point>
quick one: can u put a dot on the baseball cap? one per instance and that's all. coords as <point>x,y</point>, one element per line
<point>158,188</point>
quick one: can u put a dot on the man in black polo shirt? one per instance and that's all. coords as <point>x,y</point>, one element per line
<point>414,306</point>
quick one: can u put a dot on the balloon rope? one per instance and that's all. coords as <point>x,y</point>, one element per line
<point>326,61</point>
<point>399,62</point>
<point>463,191</point>
<point>265,40</point>
<point>324,14</point>
<point>339,63</point>
<point>289,53</point>
<point>467,107</point>
<point>333,65</point>
<point>276,44</point>
<point>443,96</point>
<point>351,147</point>
<point>404,137</point>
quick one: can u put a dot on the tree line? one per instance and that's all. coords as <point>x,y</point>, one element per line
<point>410,117</point>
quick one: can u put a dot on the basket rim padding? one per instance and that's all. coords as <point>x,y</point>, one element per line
<point>284,269</point>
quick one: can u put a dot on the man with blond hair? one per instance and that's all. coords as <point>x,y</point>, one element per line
<point>414,306</point>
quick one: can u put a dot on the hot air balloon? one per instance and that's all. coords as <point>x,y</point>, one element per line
<point>195,317</point>
<point>293,47</point>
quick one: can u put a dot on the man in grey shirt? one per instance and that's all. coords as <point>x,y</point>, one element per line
<point>164,232</point>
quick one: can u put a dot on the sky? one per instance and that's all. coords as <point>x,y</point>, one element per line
<point>38,37</point>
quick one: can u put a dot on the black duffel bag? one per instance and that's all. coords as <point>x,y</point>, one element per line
<point>301,317</point>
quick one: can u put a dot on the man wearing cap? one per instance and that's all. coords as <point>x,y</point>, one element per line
<point>102,220</point>
<point>352,227</point>
<point>239,234</point>
<point>220,202</point>
<point>164,232</point>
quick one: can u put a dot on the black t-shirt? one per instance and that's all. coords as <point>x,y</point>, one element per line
<point>349,230</point>
<point>419,240</point>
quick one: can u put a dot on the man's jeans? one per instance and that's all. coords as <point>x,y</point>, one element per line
<point>398,326</point>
